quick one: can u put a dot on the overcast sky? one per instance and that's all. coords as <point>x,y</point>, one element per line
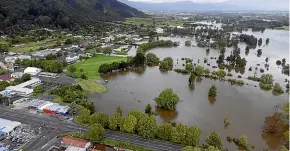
<point>260,4</point>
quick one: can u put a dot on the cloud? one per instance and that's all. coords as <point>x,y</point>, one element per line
<point>196,1</point>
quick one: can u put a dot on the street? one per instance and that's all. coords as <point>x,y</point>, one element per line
<point>54,127</point>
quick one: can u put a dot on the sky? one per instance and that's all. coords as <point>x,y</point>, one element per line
<point>259,4</point>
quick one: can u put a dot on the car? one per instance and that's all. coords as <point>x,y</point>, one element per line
<point>13,139</point>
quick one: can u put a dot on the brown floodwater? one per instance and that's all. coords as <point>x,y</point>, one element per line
<point>246,107</point>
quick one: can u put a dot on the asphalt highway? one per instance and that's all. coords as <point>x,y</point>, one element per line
<point>54,127</point>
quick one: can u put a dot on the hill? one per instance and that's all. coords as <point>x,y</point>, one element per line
<point>181,6</point>
<point>62,13</point>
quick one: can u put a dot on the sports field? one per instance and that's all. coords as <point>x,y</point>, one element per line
<point>91,66</point>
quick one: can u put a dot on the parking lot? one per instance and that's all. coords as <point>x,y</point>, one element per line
<point>19,137</point>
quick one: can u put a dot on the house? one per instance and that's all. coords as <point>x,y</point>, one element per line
<point>17,74</point>
<point>22,57</point>
<point>10,59</point>
<point>32,71</point>
<point>75,144</point>
<point>6,77</point>
<point>71,59</point>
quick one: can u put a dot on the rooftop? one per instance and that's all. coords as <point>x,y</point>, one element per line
<point>75,142</point>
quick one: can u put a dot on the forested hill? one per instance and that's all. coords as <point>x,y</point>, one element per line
<point>62,13</point>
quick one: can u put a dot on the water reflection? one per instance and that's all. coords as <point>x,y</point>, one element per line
<point>166,115</point>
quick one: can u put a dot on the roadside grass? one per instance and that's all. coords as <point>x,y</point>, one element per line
<point>92,86</point>
<point>91,65</point>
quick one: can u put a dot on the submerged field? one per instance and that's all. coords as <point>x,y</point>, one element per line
<point>150,21</point>
<point>91,66</point>
<point>92,86</point>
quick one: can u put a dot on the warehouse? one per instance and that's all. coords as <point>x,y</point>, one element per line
<point>32,71</point>
<point>21,89</point>
<point>7,126</point>
<point>41,106</point>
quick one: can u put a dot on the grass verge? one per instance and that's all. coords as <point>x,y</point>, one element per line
<point>92,86</point>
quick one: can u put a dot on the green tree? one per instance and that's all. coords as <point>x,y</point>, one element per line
<point>212,91</point>
<point>72,69</point>
<point>191,78</point>
<point>26,77</point>
<point>206,71</point>
<point>192,136</point>
<point>178,134</point>
<point>152,59</point>
<point>84,76</point>
<point>137,114</point>
<point>115,121</point>
<point>37,90</point>
<point>119,110</point>
<point>147,126</point>
<point>221,74</point>
<point>148,109</point>
<point>83,117</point>
<point>96,133</point>
<point>277,89</point>
<point>167,99</point>
<point>164,131</point>
<point>189,67</point>
<point>128,124</point>
<point>199,70</point>
<point>214,139</point>
<point>108,51</point>
<point>100,118</point>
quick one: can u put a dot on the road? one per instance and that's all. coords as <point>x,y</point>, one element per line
<point>54,127</point>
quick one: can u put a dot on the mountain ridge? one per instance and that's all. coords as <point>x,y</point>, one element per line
<point>181,6</point>
<point>62,13</point>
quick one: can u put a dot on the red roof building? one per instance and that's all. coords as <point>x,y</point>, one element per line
<point>76,142</point>
<point>6,77</point>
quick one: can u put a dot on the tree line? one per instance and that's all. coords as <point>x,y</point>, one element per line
<point>47,65</point>
<point>144,125</point>
<point>75,96</point>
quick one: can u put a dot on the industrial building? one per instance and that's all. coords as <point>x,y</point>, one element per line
<point>7,126</point>
<point>42,106</point>
<point>32,71</point>
<point>48,75</point>
<point>21,89</point>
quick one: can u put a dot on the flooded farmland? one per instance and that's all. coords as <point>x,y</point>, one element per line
<point>246,106</point>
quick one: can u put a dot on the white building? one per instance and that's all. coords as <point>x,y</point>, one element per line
<point>48,75</point>
<point>32,71</point>
<point>21,89</point>
<point>10,59</point>
<point>71,59</point>
<point>7,126</point>
<point>17,74</point>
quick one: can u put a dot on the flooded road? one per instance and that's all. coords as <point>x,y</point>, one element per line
<point>246,107</point>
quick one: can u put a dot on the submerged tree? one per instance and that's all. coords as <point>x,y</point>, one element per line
<point>214,139</point>
<point>212,91</point>
<point>167,99</point>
